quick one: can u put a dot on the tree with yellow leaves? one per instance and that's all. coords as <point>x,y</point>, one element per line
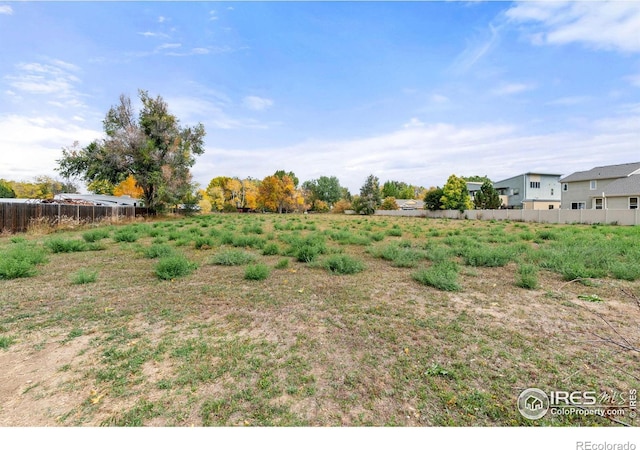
<point>277,193</point>
<point>128,187</point>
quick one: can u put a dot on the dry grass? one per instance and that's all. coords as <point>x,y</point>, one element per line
<point>304,346</point>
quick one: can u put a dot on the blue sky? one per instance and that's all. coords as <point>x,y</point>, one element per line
<point>409,91</point>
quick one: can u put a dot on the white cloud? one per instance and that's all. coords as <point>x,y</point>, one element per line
<point>211,113</point>
<point>213,15</point>
<point>438,98</point>
<point>33,144</point>
<point>166,46</point>
<point>426,154</point>
<point>152,34</point>
<point>569,101</point>
<point>6,9</point>
<point>256,103</point>
<point>162,19</point>
<point>476,49</point>
<point>603,25</point>
<point>55,80</point>
<point>512,88</point>
<point>634,80</point>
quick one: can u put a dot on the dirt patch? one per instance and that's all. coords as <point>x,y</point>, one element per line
<point>36,386</point>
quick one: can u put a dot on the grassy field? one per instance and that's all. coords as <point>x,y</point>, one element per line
<point>319,320</point>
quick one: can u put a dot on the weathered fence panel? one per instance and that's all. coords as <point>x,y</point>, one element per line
<point>16,217</point>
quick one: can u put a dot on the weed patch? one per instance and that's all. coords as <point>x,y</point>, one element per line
<point>343,264</point>
<point>443,276</point>
<point>232,257</point>
<point>256,272</point>
<point>170,267</point>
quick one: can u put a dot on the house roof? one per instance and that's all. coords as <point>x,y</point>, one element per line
<point>113,200</point>
<point>624,186</point>
<point>604,172</point>
<point>528,173</point>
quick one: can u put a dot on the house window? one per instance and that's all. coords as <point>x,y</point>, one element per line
<point>534,184</point>
<point>565,187</point>
<point>593,184</point>
<point>516,191</point>
<point>598,203</point>
<point>550,206</point>
<point>578,205</point>
<point>633,202</point>
<point>551,191</point>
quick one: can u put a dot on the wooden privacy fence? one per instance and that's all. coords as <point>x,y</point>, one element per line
<point>16,217</point>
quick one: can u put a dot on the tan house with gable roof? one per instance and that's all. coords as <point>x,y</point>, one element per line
<point>604,187</point>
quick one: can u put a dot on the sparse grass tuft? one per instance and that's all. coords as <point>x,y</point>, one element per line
<point>6,342</point>
<point>84,276</point>
<point>283,263</point>
<point>527,276</point>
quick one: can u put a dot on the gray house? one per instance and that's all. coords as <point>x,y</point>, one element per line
<point>530,190</point>
<point>604,187</point>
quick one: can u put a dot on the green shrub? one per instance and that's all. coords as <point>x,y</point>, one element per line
<point>84,276</point>
<point>59,245</point>
<point>527,276</point>
<point>488,256</point>
<point>170,267</point>
<point>271,249</point>
<point>203,242</point>
<point>6,341</point>
<point>19,261</point>
<point>254,228</point>
<point>232,257</point>
<point>283,263</point>
<point>398,255</point>
<point>158,251</point>
<point>306,249</point>
<point>343,264</point>
<point>127,235</point>
<point>96,235</point>
<point>395,231</point>
<point>248,241</point>
<point>443,276</point>
<point>256,272</point>
<point>18,239</point>
<point>629,271</point>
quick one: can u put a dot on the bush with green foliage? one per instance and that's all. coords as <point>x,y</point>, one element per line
<point>158,251</point>
<point>232,257</point>
<point>171,267</point>
<point>256,272</point>
<point>389,204</point>
<point>343,264</point>
<point>96,235</point>
<point>60,245</point>
<point>527,276</point>
<point>443,276</point>
<point>20,261</point>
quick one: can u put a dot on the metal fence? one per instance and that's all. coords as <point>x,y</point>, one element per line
<point>16,217</point>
